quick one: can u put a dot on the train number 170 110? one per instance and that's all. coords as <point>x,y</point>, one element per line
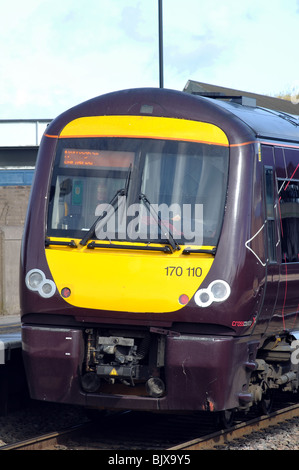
<point>179,271</point>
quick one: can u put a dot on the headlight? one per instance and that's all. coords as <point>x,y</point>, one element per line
<point>34,278</point>
<point>217,291</point>
<point>220,290</point>
<point>36,281</point>
<point>203,298</point>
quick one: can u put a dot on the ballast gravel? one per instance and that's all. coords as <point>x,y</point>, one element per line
<point>284,436</point>
<point>39,417</point>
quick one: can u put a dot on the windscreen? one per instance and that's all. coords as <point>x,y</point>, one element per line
<point>138,190</point>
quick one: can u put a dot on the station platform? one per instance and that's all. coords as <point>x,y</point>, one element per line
<point>10,336</point>
<point>13,383</point>
<point>6,320</point>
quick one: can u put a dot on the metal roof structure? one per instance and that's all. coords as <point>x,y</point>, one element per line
<point>263,101</point>
<point>268,118</point>
<point>19,142</point>
<point>22,132</point>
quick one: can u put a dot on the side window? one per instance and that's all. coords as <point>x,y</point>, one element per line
<point>269,196</point>
<point>289,214</point>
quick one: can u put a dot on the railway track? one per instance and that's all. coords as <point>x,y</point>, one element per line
<point>123,428</point>
<point>239,430</point>
<point>48,440</point>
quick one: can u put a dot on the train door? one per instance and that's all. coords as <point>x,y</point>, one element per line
<point>287,308</point>
<point>272,248</point>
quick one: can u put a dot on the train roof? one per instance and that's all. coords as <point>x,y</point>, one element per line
<point>265,123</point>
<point>238,116</point>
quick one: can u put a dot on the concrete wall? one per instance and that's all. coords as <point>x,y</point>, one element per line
<point>13,207</point>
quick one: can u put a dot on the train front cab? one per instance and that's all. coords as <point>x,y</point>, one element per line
<point>123,300</point>
<point>202,356</point>
<point>143,286</point>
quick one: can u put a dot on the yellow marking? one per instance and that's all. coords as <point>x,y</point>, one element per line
<point>259,152</point>
<point>126,280</point>
<point>113,372</point>
<point>149,127</point>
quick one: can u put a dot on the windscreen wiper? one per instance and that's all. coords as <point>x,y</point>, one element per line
<point>174,245</point>
<point>120,192</point>
<point>71,243</point>
<point>164,249</point>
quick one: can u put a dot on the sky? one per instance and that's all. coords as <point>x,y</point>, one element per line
<point>56,54</point>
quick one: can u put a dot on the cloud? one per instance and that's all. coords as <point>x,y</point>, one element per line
<point>54,55</point>
<point>245,45</point>
<point>139,23</point>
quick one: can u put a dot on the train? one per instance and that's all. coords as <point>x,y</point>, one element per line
<point>160,257</point>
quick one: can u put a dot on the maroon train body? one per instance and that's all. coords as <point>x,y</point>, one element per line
<point>209,353</point>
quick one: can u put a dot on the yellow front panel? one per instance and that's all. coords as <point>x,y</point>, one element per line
<point>126,280</point>
<point>145,126</point>
<point>131,280</point>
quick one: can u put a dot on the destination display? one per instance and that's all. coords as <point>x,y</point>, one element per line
<point>74,158</point>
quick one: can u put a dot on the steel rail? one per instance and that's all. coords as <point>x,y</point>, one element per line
<point>45,441</point>
<point>240,430</point>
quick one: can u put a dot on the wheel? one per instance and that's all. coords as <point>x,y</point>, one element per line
<point>266,403</point>
<point>227,418</point>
